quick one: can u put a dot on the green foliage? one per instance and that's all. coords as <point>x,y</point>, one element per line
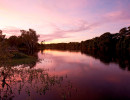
<point>28,40</point>
<point>29,61</point>
<point>4,52</point>
<point>18,55</point>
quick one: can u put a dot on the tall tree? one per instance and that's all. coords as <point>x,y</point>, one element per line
<point>30,38</point>
<point>1,36</point>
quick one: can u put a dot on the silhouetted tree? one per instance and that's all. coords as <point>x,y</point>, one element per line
<point>106,41</point>
<point>13,41</point>
<point>123,30</point>
<point>129,28</point>
<point>1,36</point>
<point>30,38</point>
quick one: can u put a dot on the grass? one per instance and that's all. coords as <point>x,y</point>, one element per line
<point>19,58</point>
<point>19,55</point>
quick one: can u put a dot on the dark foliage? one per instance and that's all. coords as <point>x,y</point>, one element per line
<point>64,46</point>
<point>107,41</point>
<point>27,40</point>
<point>120,57</point>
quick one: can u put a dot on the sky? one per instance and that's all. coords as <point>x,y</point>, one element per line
<point>64,20</point>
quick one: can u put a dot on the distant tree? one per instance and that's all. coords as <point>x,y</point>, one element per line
<point>42,42</point>
<point>123,30</point>
<point>1,36</point>
<point>129,28</point>
<point>0,32</point>
<point>105,35</point>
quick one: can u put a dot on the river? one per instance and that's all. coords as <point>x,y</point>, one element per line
<point>65,75</point>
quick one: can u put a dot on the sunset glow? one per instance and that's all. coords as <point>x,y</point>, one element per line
<point>64,20</point>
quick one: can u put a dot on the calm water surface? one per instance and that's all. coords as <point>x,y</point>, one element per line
<point>64,75</point>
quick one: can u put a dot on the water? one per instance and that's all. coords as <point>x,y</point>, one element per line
<point>65,75</point>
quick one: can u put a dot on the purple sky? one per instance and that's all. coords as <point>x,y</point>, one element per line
<point>64,20</point>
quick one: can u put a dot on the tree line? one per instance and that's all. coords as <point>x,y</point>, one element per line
<point>11,47</point>
<point>107,41</point>
<point>27,40</point>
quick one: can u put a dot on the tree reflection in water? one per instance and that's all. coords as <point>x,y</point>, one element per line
<point>120,57</point>
<point>15,80</point>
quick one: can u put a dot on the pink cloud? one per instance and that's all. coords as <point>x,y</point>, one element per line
<point>62,33</point>
<point>118,15</point>
<point>11,31</point>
